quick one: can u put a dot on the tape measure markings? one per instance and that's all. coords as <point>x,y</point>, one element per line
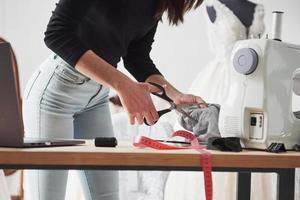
<point>205,156</point>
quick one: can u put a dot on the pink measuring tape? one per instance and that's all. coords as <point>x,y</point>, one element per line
<point>205,156</point>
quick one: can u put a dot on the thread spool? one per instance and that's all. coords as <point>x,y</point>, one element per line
<point>106,142</point>
<point>277,25</point>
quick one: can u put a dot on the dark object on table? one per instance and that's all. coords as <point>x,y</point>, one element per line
<point>297,147</point>
<point>106,142</point>
<point>276,147</point>
<point>224,144</point>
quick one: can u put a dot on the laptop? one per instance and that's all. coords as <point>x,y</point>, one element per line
<point>11,122</point>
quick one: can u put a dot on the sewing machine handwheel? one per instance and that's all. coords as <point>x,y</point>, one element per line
<point>245,61</point>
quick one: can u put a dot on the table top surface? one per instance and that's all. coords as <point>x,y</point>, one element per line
<point>125,155</point>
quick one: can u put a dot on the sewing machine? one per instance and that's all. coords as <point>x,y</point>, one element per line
<point>263,100</point>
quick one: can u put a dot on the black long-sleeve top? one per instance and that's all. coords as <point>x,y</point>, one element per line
<point>110,28</point>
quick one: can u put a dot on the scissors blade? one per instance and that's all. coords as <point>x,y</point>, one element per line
<point>186,114</point>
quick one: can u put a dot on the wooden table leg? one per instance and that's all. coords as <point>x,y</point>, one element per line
<point>243,185</point>
<point>286,184</point>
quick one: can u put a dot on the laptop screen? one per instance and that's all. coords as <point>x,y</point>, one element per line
<point>11,125</point>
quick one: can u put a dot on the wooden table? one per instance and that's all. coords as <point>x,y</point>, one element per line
<point>127,157</point>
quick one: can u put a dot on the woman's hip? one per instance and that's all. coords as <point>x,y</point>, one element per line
<point>55,94</point>
<point>56,85</point>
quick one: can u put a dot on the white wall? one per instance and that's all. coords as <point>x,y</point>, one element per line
<point>1,16</point>
<point>23,23</point>
<point>179,52</point>
<point>291,23</point>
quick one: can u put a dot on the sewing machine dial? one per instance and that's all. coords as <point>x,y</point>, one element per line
<point>245,61</point>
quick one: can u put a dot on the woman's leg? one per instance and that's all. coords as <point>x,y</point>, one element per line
<point>95,121</point>
<point>51,98</point>
<point>49,184</point>
<point>39,123</point>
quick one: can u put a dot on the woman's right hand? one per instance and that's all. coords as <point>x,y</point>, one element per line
<point>136,99</point>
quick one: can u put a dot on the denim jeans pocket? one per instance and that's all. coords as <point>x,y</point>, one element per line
<point>31,83</point>
<point>69,76</point>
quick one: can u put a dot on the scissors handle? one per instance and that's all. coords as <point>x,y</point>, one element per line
<point>162,94</point>
<point>160,113</point>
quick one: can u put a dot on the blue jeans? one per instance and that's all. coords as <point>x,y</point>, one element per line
<point>60,102</point>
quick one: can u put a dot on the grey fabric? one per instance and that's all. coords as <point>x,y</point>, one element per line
<point>207,121</point>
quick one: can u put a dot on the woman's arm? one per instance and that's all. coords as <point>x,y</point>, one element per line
<point>137,60</point>
<point>140,65</point>
<point>135,97</point>
<point>61,38</point>
<point>102,72</point>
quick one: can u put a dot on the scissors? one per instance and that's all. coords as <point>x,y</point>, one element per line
<point>163,95</point>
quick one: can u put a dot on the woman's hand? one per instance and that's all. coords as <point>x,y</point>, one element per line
<point>189,99</point>
<point>135,98</point>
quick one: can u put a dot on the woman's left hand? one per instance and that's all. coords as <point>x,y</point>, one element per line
<point>189,99</point>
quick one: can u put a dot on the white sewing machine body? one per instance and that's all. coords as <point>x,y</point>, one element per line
<point>261,101</point>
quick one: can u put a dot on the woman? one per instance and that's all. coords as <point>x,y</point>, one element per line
<point>67,96</point>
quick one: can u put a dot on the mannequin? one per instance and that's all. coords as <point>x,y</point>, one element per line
<point>228,21</point>
<point>243,9</point>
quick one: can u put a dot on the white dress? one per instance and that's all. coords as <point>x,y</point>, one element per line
<point>4,194</point>
<point>211,84</point>
<point>212,81</point>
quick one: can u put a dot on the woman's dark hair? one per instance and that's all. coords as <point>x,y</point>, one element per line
<point>175,9</point>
